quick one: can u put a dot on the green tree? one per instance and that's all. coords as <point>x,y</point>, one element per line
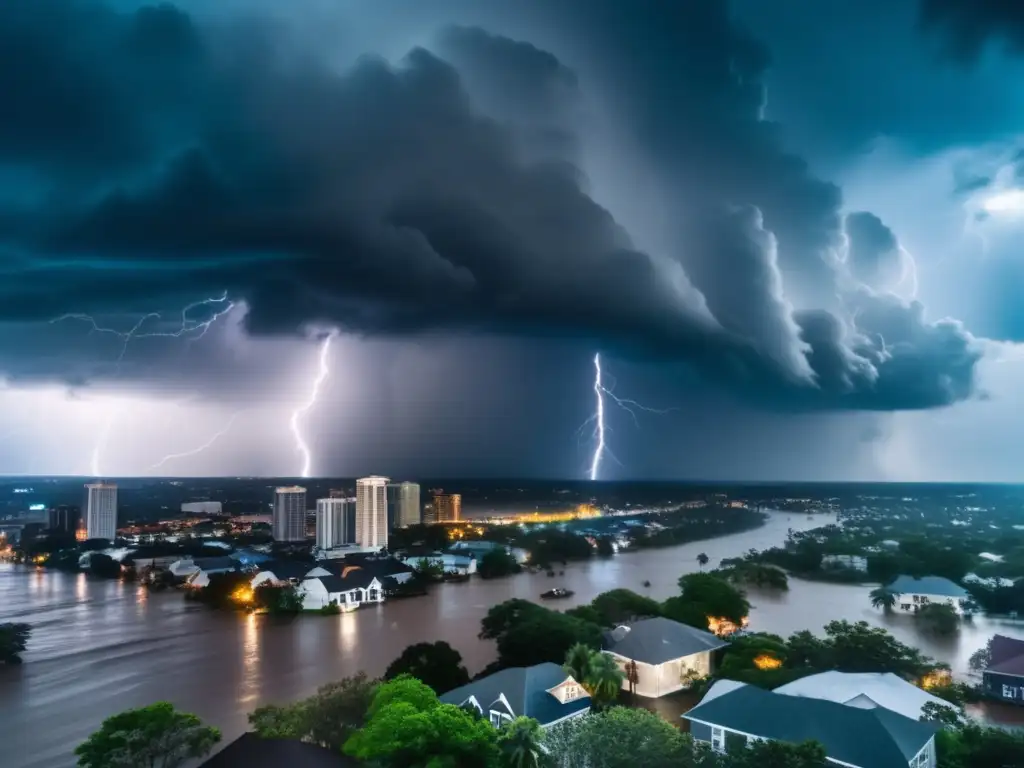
<point>429,570</point>
<point>604,681</point>
<point>497,563</point>
<point>327,718</point>
<point>971,746</point>
<point>945,715</point>
<point>13,639</point>
<point>157,736</point>
<point>577,662</point>
<point>504,616</point>
<point>981,659</point>
<point>703,596</point>
<point>407,727</point>
<point>277,599</point>
<point>619,737</point>
<point>883,598</point>
<point>521,743</point>
<point>623,605</point>
<point>859,647</point>
<point>436,664</point>
<point>703,560</point>
<point>939,619</point>
<point>104,566</point>
<point>546,637</point>
<point>777,754</point>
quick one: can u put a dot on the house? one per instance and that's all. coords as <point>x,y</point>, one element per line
<point>198,571</point>
<point>251,751</point>
<point>1003,679</point>
<point>280,572</point>
<point>449,562</point>
<point>353,587</point>
<point>865,690</point>
<point>732,713</point>
<point>665,651</point>
<point>913,593</point>
<point>543,692</point>
<point>481,548</point>
<point>381,567</point>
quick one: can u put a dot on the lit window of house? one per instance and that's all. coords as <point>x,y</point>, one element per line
<point>571,693</point>
<point>718,739</point>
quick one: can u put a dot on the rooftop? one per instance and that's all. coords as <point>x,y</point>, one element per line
<point>865,690</point>
<point>927,585</point>
<point>526,691</point>
<point>251,751</point>
<point>1007,656</point>
<point>657,640</point>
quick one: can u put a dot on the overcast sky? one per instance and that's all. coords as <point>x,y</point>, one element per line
<point>792,231</point>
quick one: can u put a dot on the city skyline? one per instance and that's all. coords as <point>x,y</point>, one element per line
<point>537,254</point>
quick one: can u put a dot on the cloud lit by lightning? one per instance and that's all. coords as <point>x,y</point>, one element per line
<point>171,456</point>
<point>598,419</point>
<point>101,443</point>
<point>296,420</point>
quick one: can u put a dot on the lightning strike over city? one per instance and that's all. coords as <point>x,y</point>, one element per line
<point>323,370</point>
<point>199,449</point>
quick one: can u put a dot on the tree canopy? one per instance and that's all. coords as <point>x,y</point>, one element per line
<point>528,634</point>
<point>157,736</point>
<point>436,664</point>
<point>13,639</point>
<point>704,595</point>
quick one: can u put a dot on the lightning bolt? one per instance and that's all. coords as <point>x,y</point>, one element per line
<point>601,428</point>
<point>171,456</point>
<point>101,443</point>
<point>296,421</point>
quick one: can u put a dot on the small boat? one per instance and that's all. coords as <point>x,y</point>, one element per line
<point>555,594</point>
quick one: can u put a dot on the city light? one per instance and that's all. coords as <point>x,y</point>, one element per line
<point>242,595</point>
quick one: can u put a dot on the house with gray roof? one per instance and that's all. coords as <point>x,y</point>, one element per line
<point>666,654</point>
<point>731,714</point>
<point>915,593</point>
<point>1003,679</point>
<point>544,692</point>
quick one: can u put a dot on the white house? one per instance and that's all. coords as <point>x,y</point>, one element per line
<point>732,714</point>
<point>866,690</point>
<point>449,562</point>
<point>543,692</point>
<point>281,572</point>
<point>666,654</point>
<point>912,593</point>
<point>353,588</point>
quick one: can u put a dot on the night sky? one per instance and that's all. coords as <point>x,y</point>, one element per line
<point>792,229</point>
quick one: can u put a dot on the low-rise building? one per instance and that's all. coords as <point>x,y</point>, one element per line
<point>731,714</point>
<point>1003,679</point>
<point>543,692</point>
<point>281,572</point>
<point>866,690</point>
<point>667,654</point>
<point>449,562</point>
<point>354,588</point>
<point>205,567</point>
<point>481,548</point>
<point>915,593</point>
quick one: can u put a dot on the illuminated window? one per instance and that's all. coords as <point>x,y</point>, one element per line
<point>572,692</point>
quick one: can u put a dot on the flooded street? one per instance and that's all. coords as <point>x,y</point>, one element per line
<point>99,647</point>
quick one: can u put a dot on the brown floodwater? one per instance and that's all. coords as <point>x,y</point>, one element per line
<point>99,647</point>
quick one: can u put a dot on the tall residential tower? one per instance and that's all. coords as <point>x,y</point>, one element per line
<point>335,522</point>
<point>101,511</point>
<point>289,514</point>
<point>447,507</point>
<point>409,510</point>
<point>372,512</point>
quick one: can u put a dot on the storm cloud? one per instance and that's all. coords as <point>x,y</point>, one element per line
<point>161,157</point>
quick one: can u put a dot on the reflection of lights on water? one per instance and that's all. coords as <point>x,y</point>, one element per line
<point>250,659</point>
<point>347,632</point>
<point>81,587</point>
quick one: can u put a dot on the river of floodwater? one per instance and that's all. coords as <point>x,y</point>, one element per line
<point>99,647</point>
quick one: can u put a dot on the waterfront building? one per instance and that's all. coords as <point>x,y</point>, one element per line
<point>479,548</point>
<point>447,507</point>
<point>289,514</point>
<point>866,690</point>
<point>280,573</point>
<point>733,713</point>
<point>448,562</point>
<point>662,654</point>
<point>912,594</point>
<point>394,492</point>
<point>372,512</point>
<point>65,519</point>
<point>352,584</point>
<point>101,511</point>
<point>335,522</point>
<point>410,511</point>
<point>1003,679</point>
<point>543,692</point>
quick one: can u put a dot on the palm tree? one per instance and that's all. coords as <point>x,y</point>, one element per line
<point>703,560</point>
<point>883,598</point>
<point>604,681</point>
<point>577,663</point>
<point>521,742</point>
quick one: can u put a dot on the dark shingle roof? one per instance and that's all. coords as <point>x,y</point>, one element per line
<point>655,641</point>
<point>215,563</point>
<point>1007,656</point>
<point>286,569</point>
<point>526,691</point>
<point>871,738</point>
<point>250,751</point>
<point>354,579</point>
<point>927,585</point>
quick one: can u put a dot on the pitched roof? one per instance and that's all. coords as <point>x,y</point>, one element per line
<point>1007,656</point>
<point>526,691</point>
<point>870,738</point>
<point>657,640</point>
<point>927,585</point>
<point>357,578</point>
<point>215,563</point>
<point>864,690</point>
<point>251,751</point>
<point>286,569</point>
<point>378,566</point>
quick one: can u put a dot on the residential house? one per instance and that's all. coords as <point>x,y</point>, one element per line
<point>731,714</point>
<point>381,567</point>
<point>197,572</point>
<point>866,690</point>
<point>352,588</point>
<point>667,654</point>
<point>913,593</point>
<point>1004,677</point>
<point>543,692</point>
<point>251,751</point>
<point>281,572</point>
<point>449,562</point>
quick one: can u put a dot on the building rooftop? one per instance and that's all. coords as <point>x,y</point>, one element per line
<point>865,690</point>
<point>927,585</point>
<point>657,640</point>
<point>526,691</point>
<point>250,751</point>
<point>1007,656</point>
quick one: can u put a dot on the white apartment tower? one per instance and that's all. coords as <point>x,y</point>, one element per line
<point>335,522</point>
<point>409,510</point>
<point>372,512</point>
<point>289,514</point>
<point>101,511</point>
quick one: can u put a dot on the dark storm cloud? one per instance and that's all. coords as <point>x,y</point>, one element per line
<point>967,26</point>
<point>874,256</point>
<point>391,199</point>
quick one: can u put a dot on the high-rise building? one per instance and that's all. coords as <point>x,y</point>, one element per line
<point>101,511</point>
<point>338,493</point>
<point>372,512</point>
<point>289,522</point>
<point>394,494</point>
<point>447,507</point>
<point>65,519</point>
<point>409,510</point>
<point>335,522</point>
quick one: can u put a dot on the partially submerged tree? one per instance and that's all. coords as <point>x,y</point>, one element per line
<point>157,736</point>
